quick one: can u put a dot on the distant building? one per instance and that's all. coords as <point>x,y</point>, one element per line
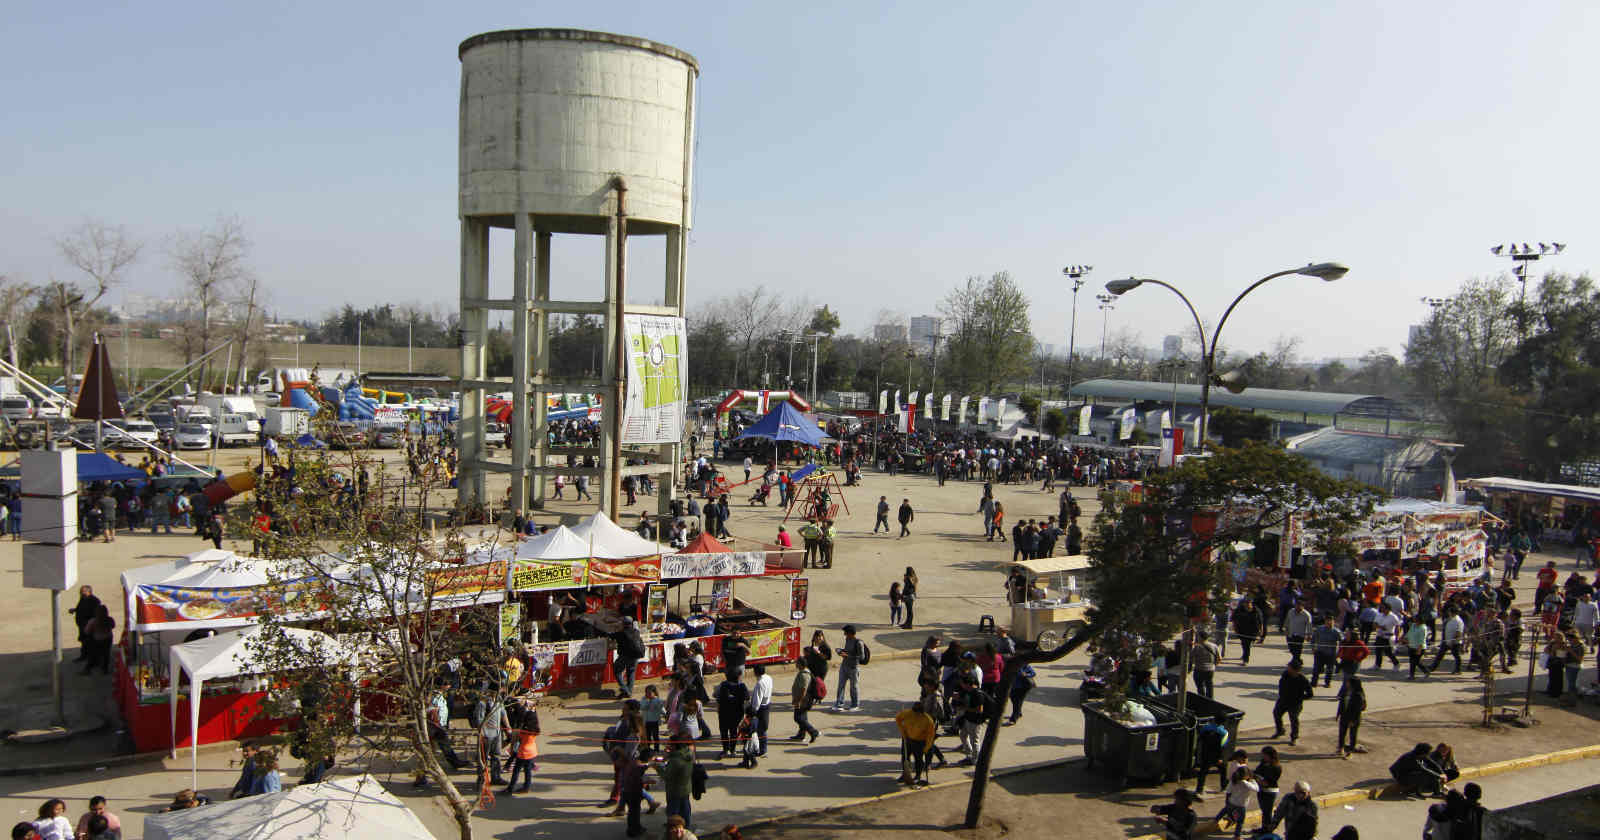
<point>891,332</point>
<point>924,327</point>
<point>1172,347</point>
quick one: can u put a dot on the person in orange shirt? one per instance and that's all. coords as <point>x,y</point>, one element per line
<point>527,735</point>
<point>1373,591</point>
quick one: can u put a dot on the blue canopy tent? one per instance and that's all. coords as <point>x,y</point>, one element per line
<point>784,423</point>
<point>94,466</point>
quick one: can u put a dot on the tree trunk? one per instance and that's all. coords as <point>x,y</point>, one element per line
<point>991,732</point>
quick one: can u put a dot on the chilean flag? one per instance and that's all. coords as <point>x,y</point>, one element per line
<point>1171,446</point>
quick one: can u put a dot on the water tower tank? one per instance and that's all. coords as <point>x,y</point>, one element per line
<point>550,116</point>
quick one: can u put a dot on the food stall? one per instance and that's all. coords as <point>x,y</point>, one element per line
<point>1056,603</point>
<point>204,595</point>
<point>1402,534</point>
<point>1560,508</point>
<point>575,585</point>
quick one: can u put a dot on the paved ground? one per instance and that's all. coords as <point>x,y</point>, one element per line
<point>857,755</point>
<point>1402,820</point>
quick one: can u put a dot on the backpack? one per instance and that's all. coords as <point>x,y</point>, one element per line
<point>697,780</point>
<point>819,688</point>
<point>866,653</point>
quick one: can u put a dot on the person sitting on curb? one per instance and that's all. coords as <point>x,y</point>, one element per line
<point>1416,775</point>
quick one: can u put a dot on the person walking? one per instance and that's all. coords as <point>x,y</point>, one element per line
<point>1416,639</point>
<point>527,735</point>
<point>1351,703</point>
<point>908,593</point>
<point>1455,630</point>
<point>1385,628</point>
<point>1297,628</point>
<point>986,510</point>
<point>883,515</point>
<point>802,696</point>
<point>677,779</point>
<point>1325,640</point>
<point>906,516</point>
<point>732,700</point>
<point>849,671</point>
<point>1351,651</point>
<point>1250,624</point>
<point>761,704</point>
<point>1204,658</point>
<point>1268,771</point>
<point>630,650</point>
<point>493,727</point>
<point>1293,691</point>
<point>1026,680</point>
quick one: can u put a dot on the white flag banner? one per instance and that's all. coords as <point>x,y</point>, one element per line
<point>1199,444</point>
<point>897,405</point>
<point>911,402</point>
<point>1083,420</point>
<point>1000,410</point>
<point>927,406</point>
<point>1165,459</point>
<point>1166,419</point>
<point>883,402</point>
<point>983,409</point>
<point>944,408</point>
<point>961,413</point>
<point>1129,418</point>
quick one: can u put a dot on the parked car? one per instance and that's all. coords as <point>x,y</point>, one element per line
<point>389,435</point>
<point>15,407</point>
<point>348,435</point>
<point>191,436</point>
<point>164,421</point>
<point>143,431</point>
<point>496,434</point>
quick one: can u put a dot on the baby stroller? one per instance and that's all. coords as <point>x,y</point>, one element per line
<point>763,490</point>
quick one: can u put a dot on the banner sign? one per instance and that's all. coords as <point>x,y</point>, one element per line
<point>944,408</point>
<point>658,364</point>
<point>636,570</point>
<point>883,402</point>
<point>1084,414</point>
<point>961,413</point>
<point>725,565</point>
<point>1000,410</point>
<point>171,607</point>
<point>532,575</point>
<point>767,644</point>
<point>1126,422</point>
<point>510,622</point>
<point>927,406</point>
<point>586,652</point>
<point>655,605</point>
<point>799,593</point>
<point>983,409</point>
<point>478,579</point>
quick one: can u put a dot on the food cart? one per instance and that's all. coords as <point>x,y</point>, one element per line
<point>1401,534</point>
<point>1056,604</point>
<point>574,586</point>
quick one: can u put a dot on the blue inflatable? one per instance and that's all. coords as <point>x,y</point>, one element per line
<point>300,399</point>
<point>356,406</point>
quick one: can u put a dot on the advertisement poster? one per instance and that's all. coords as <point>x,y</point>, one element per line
<point>658,364</point>
<point>1084,415</point>
<point>721,596</point>
<point>655,609</point>
<point>531,575</point>
<point>170,607</point>
<point>766,644</point>
<point>636,570</point>
<point>944,408</point>
<point>510,622</point>
<point>541,665</point>
<point>1289,541</point>
<point>799,592</point>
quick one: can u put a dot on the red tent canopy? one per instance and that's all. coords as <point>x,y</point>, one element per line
<point>705,544</point>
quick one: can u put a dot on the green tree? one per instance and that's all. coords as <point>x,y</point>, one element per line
<point>990,342</point>
<point>1555,373</point>
<point>1055,423</point>
<point>1455,360</point>
<point>1235,427</point>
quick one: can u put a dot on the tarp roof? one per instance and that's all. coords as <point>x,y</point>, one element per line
<point>611,541</point>
<point>559,543</point>
<point>705,544</point>
<point>1535,488</point>
<point>94,466</point>
<point>1264,399</point>
<point>784,422</point>
<point>1055,565</point>
<point>351,808</point>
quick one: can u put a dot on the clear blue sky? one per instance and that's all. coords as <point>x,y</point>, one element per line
<point>868,155</point>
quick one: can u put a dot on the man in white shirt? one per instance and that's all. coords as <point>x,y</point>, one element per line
<point>747,465</point>
<point>761,703</point>
<point>1450,641</point>
<point>1584,617</point>
<point>1384,629</point>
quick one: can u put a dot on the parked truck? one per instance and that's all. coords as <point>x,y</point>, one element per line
<point>285,422</point>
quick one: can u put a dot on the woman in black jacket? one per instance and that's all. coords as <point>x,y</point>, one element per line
<point>817,655</point>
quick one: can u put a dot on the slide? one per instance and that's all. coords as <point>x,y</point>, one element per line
<point>233,485</point>
<point>356,406</point>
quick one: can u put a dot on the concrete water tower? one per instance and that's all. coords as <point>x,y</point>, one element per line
<point>570,132</point>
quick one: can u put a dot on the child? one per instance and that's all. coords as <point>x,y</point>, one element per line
<point>750,738</point>
<point>653,709</point>
<point>895,603</point>
<point>1238,793</point>
<point>1178,817</point>
<point>527,735</point>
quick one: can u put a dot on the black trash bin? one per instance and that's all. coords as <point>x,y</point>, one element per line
<point>1127,752</point>
<point>1199,710</point>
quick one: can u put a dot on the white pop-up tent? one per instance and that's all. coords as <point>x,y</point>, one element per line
<point>611,541</point>
<point>351,808</point>
<point>559,543</point>
<point>229,655</point>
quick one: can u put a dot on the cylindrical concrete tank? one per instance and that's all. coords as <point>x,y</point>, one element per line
<point>550,116</point>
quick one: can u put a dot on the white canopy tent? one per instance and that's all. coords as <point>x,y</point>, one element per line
<point>351,808</point>
<point>560,543</point>
<point>611,541</point>
<point>229,655</point>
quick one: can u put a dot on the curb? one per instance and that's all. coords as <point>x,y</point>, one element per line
<point>1346,797</point>
<point>114,761</point>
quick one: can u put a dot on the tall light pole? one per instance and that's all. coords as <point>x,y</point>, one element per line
<point>1208,361</point>
<point>1106,305</point>
<point>1075,273</point>
<point>1520,257</point>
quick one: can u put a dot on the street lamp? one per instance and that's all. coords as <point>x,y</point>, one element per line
<point>1106,305</point>
<point>1075,273</point>
<point>1520,257</point>
<point>1208,361</point>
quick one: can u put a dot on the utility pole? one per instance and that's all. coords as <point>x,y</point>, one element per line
<point>1106,306</point>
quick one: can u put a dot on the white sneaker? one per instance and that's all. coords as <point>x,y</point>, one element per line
<point>853,709</point>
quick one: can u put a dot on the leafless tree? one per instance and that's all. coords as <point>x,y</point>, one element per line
<point>211,263</point>
<point>251,325</point>
<point>750,315</point>
<point>102,253</point>
<point>15,297</point>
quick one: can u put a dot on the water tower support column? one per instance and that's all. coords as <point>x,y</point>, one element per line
<point>521,351</point>
<point>473,339</point>
<point>541,364</point>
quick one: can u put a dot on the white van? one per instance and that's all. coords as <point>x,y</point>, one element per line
<point>15,407</point>
<point>236,430</point>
